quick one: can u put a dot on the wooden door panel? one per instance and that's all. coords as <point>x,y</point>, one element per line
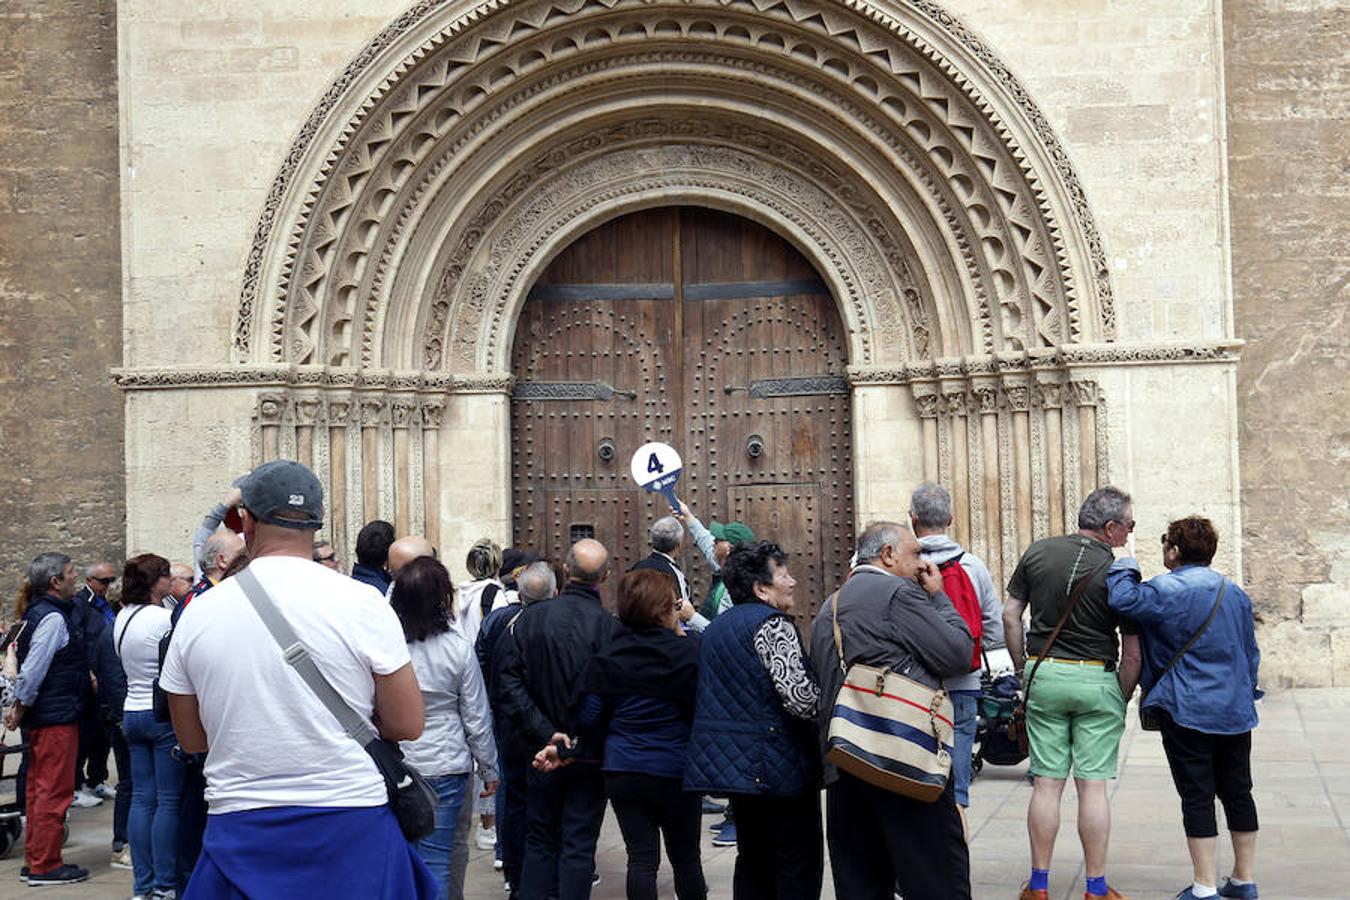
<point>787,514</point>
<point>704,330</point>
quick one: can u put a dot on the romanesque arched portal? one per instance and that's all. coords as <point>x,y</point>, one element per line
<point>468,144</point>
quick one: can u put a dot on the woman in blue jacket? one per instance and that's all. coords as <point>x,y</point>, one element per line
<point>638,698</point>
<point>1204,698</point>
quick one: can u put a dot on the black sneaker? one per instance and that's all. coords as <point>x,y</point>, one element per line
<point>23,874</point>
<point>66,874</point>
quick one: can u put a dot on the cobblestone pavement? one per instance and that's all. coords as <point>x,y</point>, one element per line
<point>1301,767</point>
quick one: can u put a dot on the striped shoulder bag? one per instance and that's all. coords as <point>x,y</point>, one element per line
<point>888,730</point>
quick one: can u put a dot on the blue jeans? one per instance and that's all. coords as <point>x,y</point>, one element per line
<point>964,703</point>
<point>156,786</point>
<point>435,849</point>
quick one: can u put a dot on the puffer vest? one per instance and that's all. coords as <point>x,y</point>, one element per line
<point>742,740</point>
<point>62,692</point>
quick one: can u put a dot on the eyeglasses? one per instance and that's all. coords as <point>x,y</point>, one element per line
<point>329,558</point>
<point>1129,526</point>
<point>104,581</point>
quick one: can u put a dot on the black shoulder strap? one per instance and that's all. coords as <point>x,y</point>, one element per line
<point>489,594</point>
<point>136,612</point>
<point>1223,586</point>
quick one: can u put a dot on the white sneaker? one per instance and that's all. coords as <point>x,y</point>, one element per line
<point>497,864</point>
<point>121,859</point>
<point>84,800</point>
<point>103,790</point>
<point>486,839</point>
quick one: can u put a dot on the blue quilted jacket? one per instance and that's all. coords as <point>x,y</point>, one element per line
<point>743,741</point>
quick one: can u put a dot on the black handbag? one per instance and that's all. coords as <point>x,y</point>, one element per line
<point>412,799</point>
<point>1151,717</point>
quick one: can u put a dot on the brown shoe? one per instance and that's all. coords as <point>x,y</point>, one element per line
<point>1111,894</point>
<point>1029,894</point>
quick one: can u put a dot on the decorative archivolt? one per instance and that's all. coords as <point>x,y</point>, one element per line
<point>401,229</point>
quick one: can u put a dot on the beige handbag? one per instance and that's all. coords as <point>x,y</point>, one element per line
<point>888,730</point>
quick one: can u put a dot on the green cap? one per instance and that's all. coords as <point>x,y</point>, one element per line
<point>732,532</point>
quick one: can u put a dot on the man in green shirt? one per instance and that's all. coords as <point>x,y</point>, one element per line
<point>1076,702</point>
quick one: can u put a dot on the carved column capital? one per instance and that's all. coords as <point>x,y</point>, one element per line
<point>1019,396</point>
<point>1049,393</point>
<point>433,413</point>
<point>404,410</point>
<point>926,398</point>
<point>986,396</point>
<point>339,412</point>
<point>954,399</point>
<point>372,412</point>
<point>272,408</point>
<point>308,410</point>
<point>1084,392</point>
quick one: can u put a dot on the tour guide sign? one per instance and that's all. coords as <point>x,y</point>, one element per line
<point>656,467</point>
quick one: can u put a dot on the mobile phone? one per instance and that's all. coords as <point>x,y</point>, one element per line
<point>13,634</point>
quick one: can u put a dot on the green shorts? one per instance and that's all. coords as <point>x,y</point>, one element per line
<point>1075,715</point>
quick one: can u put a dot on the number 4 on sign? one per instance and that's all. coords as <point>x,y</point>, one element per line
<point>656,468</point>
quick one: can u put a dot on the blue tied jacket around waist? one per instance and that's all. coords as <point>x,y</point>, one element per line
<point>1213,687</point>
<point>742,740</point>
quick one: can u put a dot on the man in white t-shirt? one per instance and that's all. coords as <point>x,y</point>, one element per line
<point>287,788</point>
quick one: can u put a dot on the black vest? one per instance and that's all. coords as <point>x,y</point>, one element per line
<point>62,692</point>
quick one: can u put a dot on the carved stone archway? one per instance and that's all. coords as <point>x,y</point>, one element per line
<point>468,143</point>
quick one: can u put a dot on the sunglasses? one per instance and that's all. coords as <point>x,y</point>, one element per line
<point>329,558</point>
<point>104,581</point>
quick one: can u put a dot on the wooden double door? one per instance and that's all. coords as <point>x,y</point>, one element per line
<point>708,332</point>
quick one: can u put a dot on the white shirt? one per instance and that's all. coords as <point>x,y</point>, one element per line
<point>458,728</point>
<point>469,606</point>
<point>272,743</point>
<point>136,634</point>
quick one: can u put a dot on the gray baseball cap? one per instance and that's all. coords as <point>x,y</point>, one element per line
<point>286,493</point>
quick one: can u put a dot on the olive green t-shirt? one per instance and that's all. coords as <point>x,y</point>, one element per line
<point>1044,579</point>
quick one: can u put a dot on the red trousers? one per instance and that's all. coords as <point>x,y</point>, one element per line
<point>51,787</point>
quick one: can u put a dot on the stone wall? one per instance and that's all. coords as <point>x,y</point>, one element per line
<point>1288,143</point>
<point>61,421</point>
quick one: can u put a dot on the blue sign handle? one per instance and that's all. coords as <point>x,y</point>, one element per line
<point>665,486</point>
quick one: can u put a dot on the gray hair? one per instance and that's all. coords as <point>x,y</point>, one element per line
<point>876,537</point>
<point>1105,504</point>
<point>537,582</point>
<point>213,547</point>
<point>91,569</point>
<point>45,567</point>
<point>667,532</point>
<point>931,505</point>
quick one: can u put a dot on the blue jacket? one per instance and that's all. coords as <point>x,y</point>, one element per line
<point>66,685</point>
<point>1212,688</point>
<point>376,578</point>
<point>640,734</point>
<point>743,741</point>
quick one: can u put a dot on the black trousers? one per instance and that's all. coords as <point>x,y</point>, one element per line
<point>1205,766</point>
<point>879,840</point>
<point>778,847</point>
<point>191,819</point>
<point>512,822</point>
<point>565,810</point>
<point>122,802</point>
<point>91,759</point>
<point>647,808</point>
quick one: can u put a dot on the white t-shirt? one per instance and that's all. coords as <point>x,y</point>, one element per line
<point>136,633</point>
<point>272,743</point>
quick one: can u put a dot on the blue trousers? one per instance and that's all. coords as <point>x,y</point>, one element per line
<point>436,848</point>
<point>156,788</point>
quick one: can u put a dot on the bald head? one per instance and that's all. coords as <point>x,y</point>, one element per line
<point>588,561</point>
<point>220,549</point>
<point>406,549</point>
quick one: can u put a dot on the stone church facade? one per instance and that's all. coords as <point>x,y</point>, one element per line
<point>1068,244</point>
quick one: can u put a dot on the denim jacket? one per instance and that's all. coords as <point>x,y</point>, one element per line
<point>1213,687</point>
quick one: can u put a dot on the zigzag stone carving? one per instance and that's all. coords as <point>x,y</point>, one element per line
<point>448,108</point>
